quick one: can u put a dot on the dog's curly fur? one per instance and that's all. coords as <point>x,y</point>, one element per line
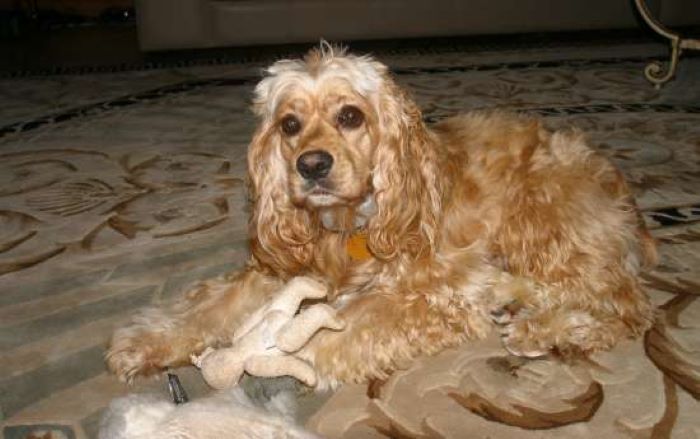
<point>482,217</point>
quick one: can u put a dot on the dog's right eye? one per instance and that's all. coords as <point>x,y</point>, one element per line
<point>350,117</point>
<point>290,125</point>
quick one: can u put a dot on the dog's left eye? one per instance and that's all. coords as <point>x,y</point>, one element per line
<point>290,125</point>
<point>350,117</point>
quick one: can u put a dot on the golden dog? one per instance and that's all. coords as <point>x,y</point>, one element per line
<point>425,236</point>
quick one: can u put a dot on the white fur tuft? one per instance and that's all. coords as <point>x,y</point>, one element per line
<point>363,73</point>
<point>227,414</point>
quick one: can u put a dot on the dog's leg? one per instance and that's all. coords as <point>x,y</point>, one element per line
<point>568,332</point>
<point>206,315</point>
<point>536,318</point>
<point>386,329</point>
<point>574,242</point>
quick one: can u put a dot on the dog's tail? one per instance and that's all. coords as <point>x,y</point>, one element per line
<point>646,253</point>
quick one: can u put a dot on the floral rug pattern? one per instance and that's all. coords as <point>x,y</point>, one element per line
<point>113,200</point>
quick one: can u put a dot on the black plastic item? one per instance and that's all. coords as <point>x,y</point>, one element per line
<point>177,392</point>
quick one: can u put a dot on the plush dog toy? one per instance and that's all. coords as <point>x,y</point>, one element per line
<point>265,343</point>
<point>264,346</point>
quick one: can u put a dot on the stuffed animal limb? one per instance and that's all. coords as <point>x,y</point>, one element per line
<point>296,332</point>
<point>266,341</point>
<point>263,366</point>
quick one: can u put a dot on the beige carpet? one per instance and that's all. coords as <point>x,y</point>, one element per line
<point>120,189</point>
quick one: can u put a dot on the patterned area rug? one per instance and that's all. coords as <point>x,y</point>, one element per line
<point>120,189</point>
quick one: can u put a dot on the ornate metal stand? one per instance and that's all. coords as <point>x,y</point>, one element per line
<point>655,72</point>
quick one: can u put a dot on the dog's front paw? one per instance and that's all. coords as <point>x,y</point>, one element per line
<point>505,313</point>
<point>515,312</point>
<point>135,351</point>
<point>517,331</point>
<point>519,338</point>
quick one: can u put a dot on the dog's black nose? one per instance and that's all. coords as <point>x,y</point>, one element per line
<point>313,165</point>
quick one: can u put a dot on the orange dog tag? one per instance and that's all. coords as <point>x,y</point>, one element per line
<point>357,247</point>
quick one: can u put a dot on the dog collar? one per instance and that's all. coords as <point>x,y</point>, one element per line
<point>356,246</point>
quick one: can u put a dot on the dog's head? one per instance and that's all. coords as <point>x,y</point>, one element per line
<point>339,145</point>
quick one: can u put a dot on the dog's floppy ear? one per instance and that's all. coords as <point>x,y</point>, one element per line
<point>405,179</point>
<point>281,234</point>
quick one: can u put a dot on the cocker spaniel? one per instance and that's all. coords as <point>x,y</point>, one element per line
<point>425,236</point>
